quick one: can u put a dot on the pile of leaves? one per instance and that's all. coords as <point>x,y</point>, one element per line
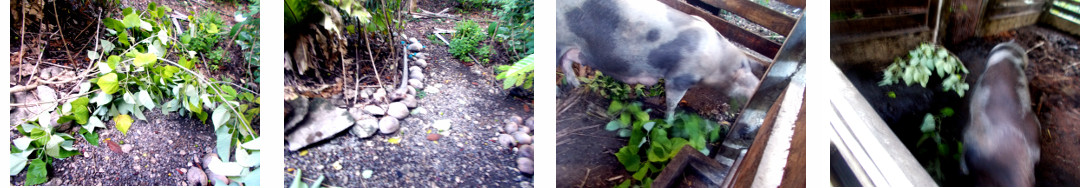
<point>653,142</point>
<point>922,62</point>
<point>135,75</point>
<point>613,89</point>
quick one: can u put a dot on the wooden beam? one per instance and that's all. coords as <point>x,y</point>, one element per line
<point>796,3</point>
<point>870,6</point>
<point>761,15</point>
<point>1061,23</point>
<point>748,168</point>
<point>878,24</point>
<point>734,33</point>
<point>795,173</point>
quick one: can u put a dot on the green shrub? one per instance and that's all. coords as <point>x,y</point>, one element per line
<point>923,62</point>
<point>205,34</point>
<point>613,89</point>
<point>519,74</point>
<point>467,40</point>
<point>653,142</point>
<point>515,28</point>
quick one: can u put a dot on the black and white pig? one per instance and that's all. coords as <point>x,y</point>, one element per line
<point>1001,141</point>
<point>641,41</point>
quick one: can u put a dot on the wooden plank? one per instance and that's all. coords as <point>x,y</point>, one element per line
<point>744,176</point>
<point>876,6</point>
<point>878,24</point>
<point>962,24</point>
<point>997,11</point>
<point>796,3</point>
<point>1066,11</point>
<point>761,15</point>
<point>687,162</point>
<point>795,173</point>
<point>1003,23</point>
<point>734,33</point>
<point>1061,23</point>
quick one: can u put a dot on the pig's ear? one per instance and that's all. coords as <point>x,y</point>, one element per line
<point>755,67</point>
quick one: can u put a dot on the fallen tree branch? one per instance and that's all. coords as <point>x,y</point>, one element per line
<point>52,101</point>
<point>428,14</point>
<point>203,80</point>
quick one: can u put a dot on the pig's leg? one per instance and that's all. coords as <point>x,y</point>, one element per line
<point>567,60</point>
<point>675,88</point>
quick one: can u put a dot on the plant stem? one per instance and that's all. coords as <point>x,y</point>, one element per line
<point>203,79</point>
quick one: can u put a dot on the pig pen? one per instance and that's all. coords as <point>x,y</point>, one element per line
<point>1055,93</point>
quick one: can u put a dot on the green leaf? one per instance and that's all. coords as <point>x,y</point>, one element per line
<point>142,59</point>
<point>612,126</point>
<point>131,20</point>
<point>92,55</point>
<point>615,106</point>
<point>629,159</point>
<point>221,115</point>
<point>168,71</point>
<point>123,122</point>
<point>624,184</point>
<point>295,11</point>
<point>224,142</point>
<point>145,100</point>
<point>296,182</point>
<point>37,174</point>
<point>123,37</point>
<point>928,124</point>
<point>91,137</point>
<point>318,182</point>
<point>22,142</point>
<point>93,123</point>
<point>163,36</point>
<point>624,133</point>
<point>114,24</point>
<point>642,171</point>
<point>18,161</point>
<point>253,178</point>
<point>108,83</point>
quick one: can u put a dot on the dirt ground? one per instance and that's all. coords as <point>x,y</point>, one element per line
<point>468,96</point>
<point>1055,90</point>
<point>162,145</point>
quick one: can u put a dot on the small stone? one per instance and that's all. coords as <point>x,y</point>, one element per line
<point>366,93</point>
<point>529,123</point>
<point>419,110</point>
<point>374,110</point>
<point>380,95</point>
<point>126,148</point>
<point>416,73</point>
<point>525,151</point>
<point>170,142</point>
<point>413,40</point>
<point>183,152</point>
<point>398,110</point>
<point>388,125</point>
<point>421,55</point>
<point>432,90</point>
<point>522,138</point>
<point>137,167</point>
<point>365,127</point>
<point>410,101</point>
<point>524,129</point>
<point>525,165</point>
<point>506,140</point>
<point>416,83</point>
<point>195,176</point>
<point>421,62</point>
<point>515,119</point>
<point>412,90</point>
<point>510,127</point>
<point>337,165</point>
<point>416,47</point>
<point>442,125</point>
<point>433,136</point>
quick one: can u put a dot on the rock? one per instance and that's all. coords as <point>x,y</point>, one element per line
<point>416,73</point>
<point>380,95</point>
<point>515,119</point>
<point>525,165</point>
<point>529,123</point>
<point>506,140</point>
<point>416,47</point>
<point>399,94</point>
<point>297,109</point>
<point>366,93</point>
<point>388,125</point>
<point>416,83</point>
<point>434,137</point>
<point>412,90</point>
<point>337,165</point>
<point>524,129</point>
<point>525,151</point>
<point>126,148</point>
<point>374,110</point>
<point>196,176</point>
<point>398,110</point>
<point>324,121</point>
<point>432,90</point>
<point>510,127</point>
<point>413,40</point>
<point>46,93</point>
<point>365,127</point>
<point>421,55</point>
<point>522,138</point>
<point>410,101</point>
<point>442,125</point>
<point>421,62</point>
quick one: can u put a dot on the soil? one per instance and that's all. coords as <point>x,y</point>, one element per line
<point>161,148</point>
<point>469,96</point>
<point>1054,80</point>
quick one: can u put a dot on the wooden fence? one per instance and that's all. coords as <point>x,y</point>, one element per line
<point>1065,15</point>
<point>756,13</point>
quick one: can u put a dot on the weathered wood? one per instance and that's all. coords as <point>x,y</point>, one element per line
<point>796,3</point>
<point>878,49</point>
<point>877,24</point>
<point>962,24</point>
<point>876,6</point>
<point>730,31</point>
<point>1065,11</point>
<point>1003,23</point>
<point>690,162</point>
<point>1061,23</point>
<point>1001,10</point>
<point>748,168</point>
<point>761,15</point>
<point>795,173</point>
